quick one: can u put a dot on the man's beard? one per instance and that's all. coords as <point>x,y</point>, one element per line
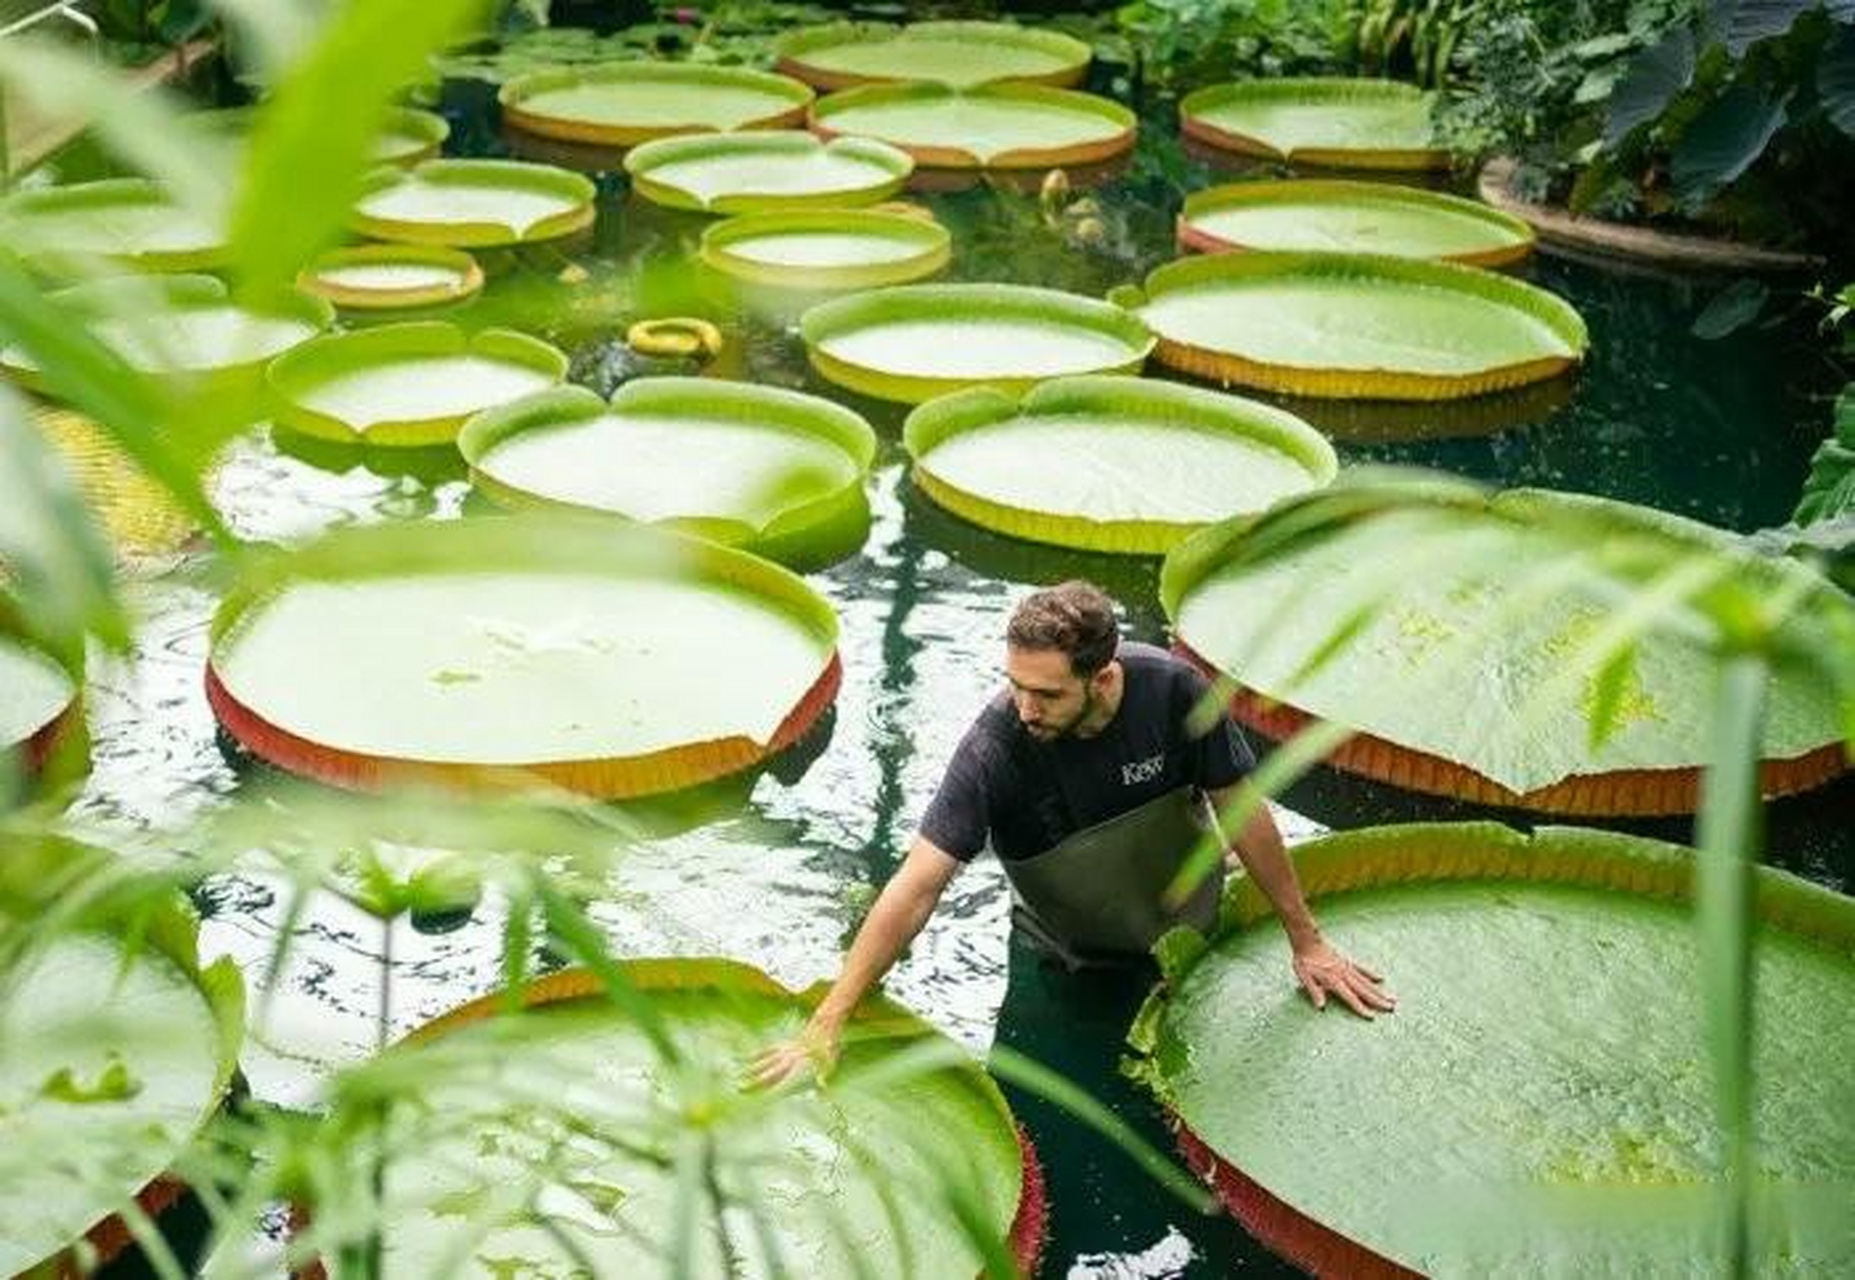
<point>1045,733</point>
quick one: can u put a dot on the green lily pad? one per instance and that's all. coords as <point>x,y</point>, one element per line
<point>392,277</point>
<point>918,341</point>
<point>845,54</point>
<point>765,171</point>
<point>130,220</point>
<point>474,203</point>
<point>1357,326</point>
<point>621,104</point>
<point>1108,463</point>
<point>740,464</point>
<point>1540,1103</point>
<point>827,249</point>
<point>845,1176</point>
<point>114,1060</point>
<point>182,326</point>
<point>1352,217</point>
<point>1488,699</point>
<point>605,658</point>
<point>1000,126</point>
<point>407,384</point>
<point>409,136</point>
<point>1349,124</point>
<point>34,692</point>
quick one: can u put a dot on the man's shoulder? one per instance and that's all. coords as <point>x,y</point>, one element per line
<point>1142,661</point>
<point>992,731</point>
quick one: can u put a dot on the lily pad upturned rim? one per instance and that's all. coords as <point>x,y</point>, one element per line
<point>793,49</point>
<point>1392,856</point>
<point>642,160</point>
<point>168,927</point>
<point>1165,403</point>
<point>296,371</point>
<point>42,739</point>
<point>545,542</point>
<point>957,157</point>
<point>514,93</point>
<point>1491,287</point>
<point>509,174</point>
<point>773,408</point>
<point>99,299</point>
<point>1308,88</point>
<point>1616,793</point>
<point>1499,253</point>
<point>877,1016</point>
<point>826,320</point>
<point>76,196</point>
<point>427,128</point>
<point>935,240</point>
<point>469,277</point>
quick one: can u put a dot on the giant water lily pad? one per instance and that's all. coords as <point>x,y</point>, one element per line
<point>1110,464</point>
<point>1363,326</point>
<point>766,171</point>
<point>1540,1104</point>
<point>844,54</point>
<point>408,135</point>
<point>35,696</point>
<point>392,277</point>
<point>625,103</point>
<point>1001,126</point>
<point>1352,124</point>
<point>182,327</point>
<point>407,384</point>
<point>474,203</point>
<point>609,659</point>
<point>1460,686</point>
<point>777,471</point>
<point>130,220</point>
<point>918,341</point>
<point>573,1095</point>
<point>827,249</point>
<point>116,1055</point>
<point>1352,217</point>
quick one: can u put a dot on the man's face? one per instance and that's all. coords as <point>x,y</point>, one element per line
<point>1050,699</point>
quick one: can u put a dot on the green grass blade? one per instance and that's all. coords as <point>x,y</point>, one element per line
<point>1729,835</point>
<point>311,144</point>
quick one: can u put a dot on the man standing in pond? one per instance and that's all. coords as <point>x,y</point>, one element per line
<point>1086,779</point>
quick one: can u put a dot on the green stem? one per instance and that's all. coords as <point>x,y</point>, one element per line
<point>1729,835</point>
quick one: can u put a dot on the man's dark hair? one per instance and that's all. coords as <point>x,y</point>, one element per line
<point>1075,618</point>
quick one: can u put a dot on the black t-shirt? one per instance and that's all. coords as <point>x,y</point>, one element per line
<point>1028,796</point>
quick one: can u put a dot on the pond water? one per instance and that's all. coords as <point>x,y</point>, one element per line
<point>1716,430</point>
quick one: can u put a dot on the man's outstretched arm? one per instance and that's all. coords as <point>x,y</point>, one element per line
<point>1319,968</point>
<point>901,910</point>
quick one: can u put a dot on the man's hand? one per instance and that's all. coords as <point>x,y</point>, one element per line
<point>1324,971</point>
<point>813,1050</point>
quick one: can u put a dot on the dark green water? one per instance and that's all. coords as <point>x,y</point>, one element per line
<point>1716,430</point>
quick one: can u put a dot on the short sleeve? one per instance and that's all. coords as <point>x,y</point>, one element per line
<point>1220,755</point>
<point>958,819</point>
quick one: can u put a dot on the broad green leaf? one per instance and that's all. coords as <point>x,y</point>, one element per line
<point>1346,122</point>
<point>1008,125</point>
<point>1731,309</point>
<point>1580,1135</point>
<point>1746,22</point>
<point>1352,217</point>
<point>1726,139</point>
<point>1835,79</point>
<point>956,53</point>
<point>766,171</point>
<point>623,105</point>
<point>1829,489</point>
<point>312,140</point>
<point>1655,77</point>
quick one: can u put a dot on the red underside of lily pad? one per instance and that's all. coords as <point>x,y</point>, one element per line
<point>608,779</point>
<point>1619,793</point>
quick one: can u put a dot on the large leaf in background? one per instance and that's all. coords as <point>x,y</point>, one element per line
<point>311,143</point>
<point>1740,24</point>
<point>1835,79</point>
<point>1559,1124</point>
<point>1654,78</point>
<point>1829,490</point>
<point>1731,309</point>
<point>1485,658</point>
<point>1726,139</point>
<point>56,562</point>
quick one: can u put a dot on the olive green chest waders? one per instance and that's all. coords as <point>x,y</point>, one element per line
<point>1097,896</point>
